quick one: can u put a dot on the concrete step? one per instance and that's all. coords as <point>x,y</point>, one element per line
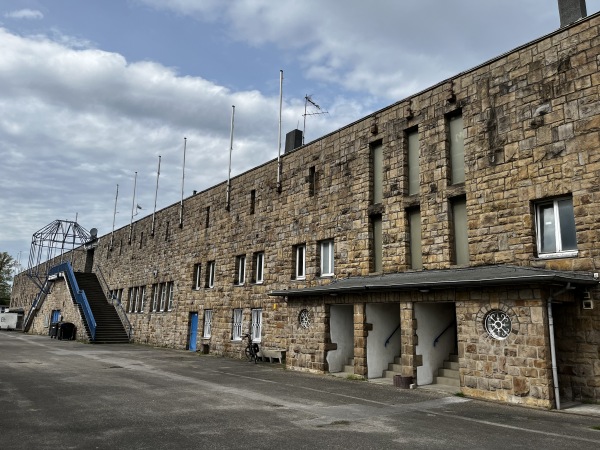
<point>448,373</point>
<point>348,368</point>
<point>395,367</point>
<point>451,365</point>
<point>390,373</point>
<point>453,358</point>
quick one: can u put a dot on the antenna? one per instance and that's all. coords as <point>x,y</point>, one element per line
<point>308,99</point>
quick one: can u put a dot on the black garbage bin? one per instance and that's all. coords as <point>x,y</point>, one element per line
<point>66,330</point>
<point>53,332</point>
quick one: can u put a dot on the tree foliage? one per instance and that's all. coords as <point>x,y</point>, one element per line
<point>7,263</point>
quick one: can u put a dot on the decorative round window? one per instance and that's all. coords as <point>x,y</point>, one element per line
<point>498,324</point>
<point>304,318</point>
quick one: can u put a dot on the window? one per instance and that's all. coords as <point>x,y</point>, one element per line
<point>207,223</point>
<point>155,296</point>
<point>236,331</point>
<point>207,323</point>
<point>377,172</point>
<point>210,274</point>
<point>414,231</point>
<point>197,279</point>
<point>259,262</point>
<point>141,299</point>
<point>555,221</point>
<point>256,324</point>
<point>170,291</point>
<point>460,231</point>
<point>326,258</point>
<point>312,181</point>
<point>457,149</point>
<point>252,200</point>
<point>131,300</point>
<point>412,137</point>
<point>163,296</point>
<point>240,270</point>
<point>377,244</point>
<point>299,255</point>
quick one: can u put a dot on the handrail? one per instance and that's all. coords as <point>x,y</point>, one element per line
<point>78,294</point>
<point>435,341</point>
<point>115,302</point>
<point>388,339</point>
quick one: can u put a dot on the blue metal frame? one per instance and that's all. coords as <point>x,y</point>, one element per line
<point>78,294</point>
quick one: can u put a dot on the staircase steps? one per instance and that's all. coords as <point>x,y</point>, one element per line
<point>393,369</point>
<point>109,328</point>
<point>448,374</point>
<point>349,368</point>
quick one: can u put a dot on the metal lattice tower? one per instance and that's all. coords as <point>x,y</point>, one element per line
<point>53,241</point>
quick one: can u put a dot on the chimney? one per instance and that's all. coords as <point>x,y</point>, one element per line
<point>571,11</point>
<point>293,140</point>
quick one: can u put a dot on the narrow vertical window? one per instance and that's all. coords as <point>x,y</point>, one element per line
<point>312,181</point>
<point>207,223</point>
<point>155,296</point>
<point>377,173</point>
<point>141,239</point>
<point>142,298</point>
<point>414,185</point>
<point>167,231</point>
<point>256,324</point>
<point>326,258</point>
<point>457,149</point>
<point>240,270</point>
<point>259,262</point>
<point>252,200</point>
<point>197,275</point>
<point>171,289</point>
<point>210,274</point>
<point>299,270</point>
<point>207,323</point>
<point>163,296</point>
<point>414,231</point>
<point>460,231</point>
<point>131,301</point>
<point>236,331</point>
<point>136,307</point>
<point>377,244</point>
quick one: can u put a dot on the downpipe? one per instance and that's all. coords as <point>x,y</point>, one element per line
<point>552,342</point>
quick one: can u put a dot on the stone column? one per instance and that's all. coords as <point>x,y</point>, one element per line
<point>408,341</point>
<point>360,339</point>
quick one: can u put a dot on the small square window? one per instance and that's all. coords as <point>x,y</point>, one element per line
<point>555,223</point>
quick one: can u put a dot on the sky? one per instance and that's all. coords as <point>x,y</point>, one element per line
<point>93,91</point>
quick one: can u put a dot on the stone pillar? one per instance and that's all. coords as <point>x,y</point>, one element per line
<point>408,340</point>
<point>360,339</point>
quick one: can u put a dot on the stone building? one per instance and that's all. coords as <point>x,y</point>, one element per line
<point>450,236</point>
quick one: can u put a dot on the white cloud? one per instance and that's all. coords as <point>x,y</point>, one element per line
<point>27,14</point>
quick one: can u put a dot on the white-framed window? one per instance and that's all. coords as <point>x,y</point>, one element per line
<point>327,258</point>
<point>259,265</point>
<point>155,296</point>
<point>240,266</point>
<point>457,149</point>
<point>300,262</point>
<point>236,328</point>
<point>207,323</point>
<point>142,299</point>
<point>210,274</point>
<point>170,292</point>
<point>136,304</point>
<point>555,223</point>
<point>197,273</point>
<point>256,324</point>
<point>131,302</point>
<point>163,296</point>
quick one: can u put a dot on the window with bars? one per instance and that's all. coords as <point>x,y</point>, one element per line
<point>207,323</point>
<point>256,324</point>
<point>236,327</point>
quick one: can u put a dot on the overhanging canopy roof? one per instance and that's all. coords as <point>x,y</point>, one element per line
<point>471,277</point>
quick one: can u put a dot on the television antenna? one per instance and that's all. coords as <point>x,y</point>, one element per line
<point>308,100</point>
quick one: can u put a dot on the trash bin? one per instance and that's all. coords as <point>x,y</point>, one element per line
<point>66,330</point>
<point>53,332</point>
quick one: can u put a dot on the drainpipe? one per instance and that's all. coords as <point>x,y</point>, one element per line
<point>552,343</point>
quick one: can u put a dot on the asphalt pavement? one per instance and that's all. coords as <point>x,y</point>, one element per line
<point>66,394</point>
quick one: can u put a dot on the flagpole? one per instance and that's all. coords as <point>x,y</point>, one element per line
<point>279,137</point>
<point>112,233</point>
<point>132,208</point>
<point>227,204</point>
<point>182,180</point>
<point>155,196</point>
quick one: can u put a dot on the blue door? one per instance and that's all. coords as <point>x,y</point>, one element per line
<point>193,331</point>
<point>55,316</point>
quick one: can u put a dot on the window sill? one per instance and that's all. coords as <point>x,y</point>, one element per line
<point>569,254</point>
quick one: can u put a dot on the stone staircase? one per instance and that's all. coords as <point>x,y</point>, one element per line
<point>393,369</point>
<point>347,369</point>
<point>109,328</point>
<point>448,375</point>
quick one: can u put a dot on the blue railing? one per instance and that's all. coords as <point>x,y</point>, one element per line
<point>78,295</point>
<point>393,332</point>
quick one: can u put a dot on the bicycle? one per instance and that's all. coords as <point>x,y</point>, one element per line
<point>251,350</point>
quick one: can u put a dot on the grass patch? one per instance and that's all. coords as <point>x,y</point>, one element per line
<point>459,394</point>
<point>354,377</point>
<point>597,427</point>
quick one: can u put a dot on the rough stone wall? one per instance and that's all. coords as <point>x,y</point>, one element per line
<point>532,131</point>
